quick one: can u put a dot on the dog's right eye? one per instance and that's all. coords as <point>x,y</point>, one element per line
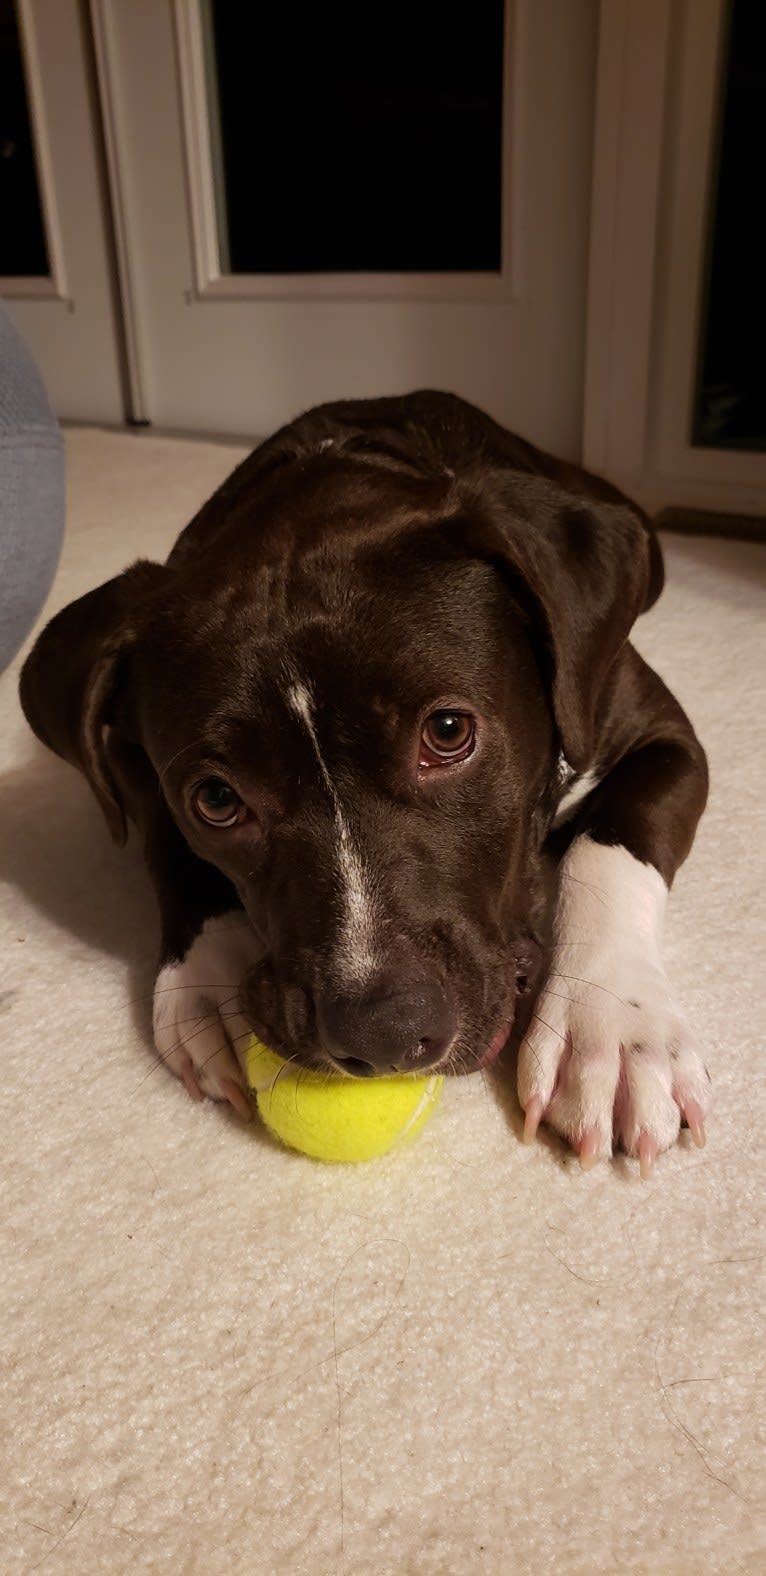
<point>216,803</point>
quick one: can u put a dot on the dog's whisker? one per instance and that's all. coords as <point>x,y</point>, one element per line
<point>224,1046</point>
<point>566,875</point>
<point>142,997</point>
<point>547,1025</point>
<point>167,990</point>
<point>209,1020</point>
<point>575,978</point>
<point>195,1017</point>
<point>162,1057</point>
<point>280,1071</point>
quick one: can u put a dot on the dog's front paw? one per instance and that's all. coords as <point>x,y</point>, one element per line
<point>609,1062</point>
<point>199,1030</point>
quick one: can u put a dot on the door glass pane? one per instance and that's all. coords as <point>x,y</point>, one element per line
<point>22,236</point>
<point>731,398</point>
<point>356,138</point>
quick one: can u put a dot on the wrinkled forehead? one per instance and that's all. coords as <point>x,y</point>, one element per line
<point>383,629</point>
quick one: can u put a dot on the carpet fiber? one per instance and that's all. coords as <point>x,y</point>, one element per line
<point>465,1359</point>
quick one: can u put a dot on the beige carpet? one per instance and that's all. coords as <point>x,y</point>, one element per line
<point>467,1359</point>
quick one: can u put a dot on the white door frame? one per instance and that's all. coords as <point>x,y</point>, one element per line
<point>69,317</point>
<point>656,125</point>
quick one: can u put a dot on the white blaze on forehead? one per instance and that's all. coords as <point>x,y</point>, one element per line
<point>358,948</point>
<point>300,701</point>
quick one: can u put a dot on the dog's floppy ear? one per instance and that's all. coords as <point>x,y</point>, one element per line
<point>71,678</point>
<point>589,565</point>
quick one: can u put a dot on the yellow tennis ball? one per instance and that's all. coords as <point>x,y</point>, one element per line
<point>337,1118</point>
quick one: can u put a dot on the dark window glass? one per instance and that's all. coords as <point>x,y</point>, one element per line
<point>358,138</point>
<point>22,236</point>
<point>731,400</point>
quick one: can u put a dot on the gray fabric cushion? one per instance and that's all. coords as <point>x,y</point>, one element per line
<point>31,491</point>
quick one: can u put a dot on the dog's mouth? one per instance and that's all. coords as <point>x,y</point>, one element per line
<point>305,1048</point>
<point>496,1044</point>
<point>314,1056</point>
<point>528,969</point>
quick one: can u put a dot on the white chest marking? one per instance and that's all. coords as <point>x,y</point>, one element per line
<point>358,949</point>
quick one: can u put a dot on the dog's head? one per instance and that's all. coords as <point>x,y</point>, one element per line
<point>351,686</point>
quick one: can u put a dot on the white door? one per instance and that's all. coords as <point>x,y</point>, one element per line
<point>237,335</point>
<point>55,265</point>
<point>674,405</point>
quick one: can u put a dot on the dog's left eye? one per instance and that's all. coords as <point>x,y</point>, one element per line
<point>216,803</point>
<point>447,736</point>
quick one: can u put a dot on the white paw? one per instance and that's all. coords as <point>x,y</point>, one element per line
<point>608,1061</point>
<point>199,1030</point>
<point>608,1070</point>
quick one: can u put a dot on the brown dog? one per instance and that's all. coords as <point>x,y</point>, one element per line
<point>382,689</point>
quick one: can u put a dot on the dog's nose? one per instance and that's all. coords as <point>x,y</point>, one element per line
<point>399,1028</point>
